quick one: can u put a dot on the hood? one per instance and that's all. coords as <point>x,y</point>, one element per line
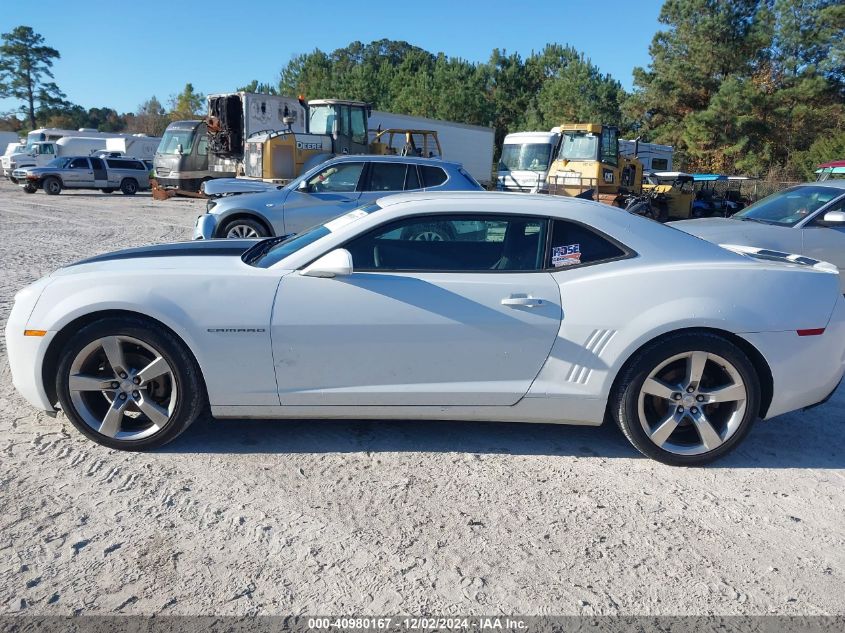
<point>729,231</point>
<point>204,254</point>
<point>228,186</point>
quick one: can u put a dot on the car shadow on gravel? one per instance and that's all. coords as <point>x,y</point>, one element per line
<point>813,439</point>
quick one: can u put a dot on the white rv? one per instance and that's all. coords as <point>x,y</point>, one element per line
<point>525,161</point>
<point>135,146</point>
<point>653,156</point>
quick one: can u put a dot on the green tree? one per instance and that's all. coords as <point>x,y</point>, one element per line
<point>188,104</point>
<point>150,118</point>
<point>260,88</point>
<point>25,65</point>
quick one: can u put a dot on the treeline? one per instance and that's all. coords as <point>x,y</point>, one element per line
<point>736,86</point>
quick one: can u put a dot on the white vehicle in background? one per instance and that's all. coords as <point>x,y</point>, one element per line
<point>45,144</point>
<point>137,146</point>
<point>13,148</point>
<point>525,160</point>
<point>545,311</point>
<point>653,156</point>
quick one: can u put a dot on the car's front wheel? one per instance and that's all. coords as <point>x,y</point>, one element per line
<point>687,399</point>
<point>127,384</point>
<point>30,188</point>
<point>244,228</point>
<point>52,186</point>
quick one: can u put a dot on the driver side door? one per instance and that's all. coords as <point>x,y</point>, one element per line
<point>465,320</point>
<point>333,190</point>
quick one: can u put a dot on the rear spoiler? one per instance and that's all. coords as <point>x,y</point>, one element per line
<point>779,256</point>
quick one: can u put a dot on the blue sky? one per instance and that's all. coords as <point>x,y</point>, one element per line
<point>119,53</point>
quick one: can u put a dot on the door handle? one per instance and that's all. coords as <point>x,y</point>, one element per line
<point>525,302</point>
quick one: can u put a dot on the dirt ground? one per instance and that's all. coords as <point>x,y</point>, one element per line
<point>262,517</point>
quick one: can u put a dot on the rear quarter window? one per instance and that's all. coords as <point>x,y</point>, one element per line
<point>574,244</point>
<point>432,176</point>
<point>120,163</point>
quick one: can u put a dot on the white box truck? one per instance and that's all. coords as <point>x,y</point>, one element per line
<point>653,156</point>
<point>43,152</point>
<point>135,146</point>
<point>470,145</point>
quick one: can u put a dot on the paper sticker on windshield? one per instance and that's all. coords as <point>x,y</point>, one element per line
<point>343,220</point>
<point>566,255</point>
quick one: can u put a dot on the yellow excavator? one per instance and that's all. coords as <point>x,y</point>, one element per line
<point>588,165</point>
<point>334,127</point>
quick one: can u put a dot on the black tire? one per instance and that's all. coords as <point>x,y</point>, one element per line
<point>52,186</point>
<point>624,403</point>
<point>243,228</point>
<point>129,186</point>
<point>107,190</point>
<point>190,398</point>
<point>30,188</point>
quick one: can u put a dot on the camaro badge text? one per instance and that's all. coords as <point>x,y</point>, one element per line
<point>236,330</point>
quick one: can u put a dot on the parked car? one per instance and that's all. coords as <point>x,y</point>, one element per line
<point>130,175</point>
<point>548,315</point>
<point>808,219</point>
<point>330,189</point>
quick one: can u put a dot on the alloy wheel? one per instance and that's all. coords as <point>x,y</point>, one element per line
<point>242,231</point>
<point>692,403</point>
<point>122,388</point>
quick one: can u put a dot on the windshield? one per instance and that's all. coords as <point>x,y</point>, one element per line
<point>57,163</point>
<point>321,119</point>
<point>172,139</point>
<point>790,206</point>
<point>579,146</point>
<point>526,157</point>
<point>279,248</point>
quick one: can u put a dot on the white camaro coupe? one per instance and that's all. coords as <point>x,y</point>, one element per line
<point>530,309</point>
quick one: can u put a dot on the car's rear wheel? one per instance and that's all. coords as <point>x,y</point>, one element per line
<point>244,228</point>
<point>129,186</point>
<point>52,186</point>
<point>128,384</point>
<point>687,399</point>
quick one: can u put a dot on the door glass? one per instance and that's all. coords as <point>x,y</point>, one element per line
<point>79,163</point>
<point>453,243</point>
<point>610,146</point>
<point>202,146</point>
<point>344,121</point>
<point>339,177</point>
<point>359,126</point>
<point>387,176</point>
<point>96,163</point>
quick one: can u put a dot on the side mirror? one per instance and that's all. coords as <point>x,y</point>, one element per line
<point>179,149</point>
<point>334,128</point>
<point>834,217</point>
<point>302,186</point>
<point>336,263</point>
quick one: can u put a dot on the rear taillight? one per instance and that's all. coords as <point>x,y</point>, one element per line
<point>811,332</point>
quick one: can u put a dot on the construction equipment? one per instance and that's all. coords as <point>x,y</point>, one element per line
<point>665,195</point>
<point>589,165</point>
<point>333,127</point>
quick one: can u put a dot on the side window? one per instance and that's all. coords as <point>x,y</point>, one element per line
<point>412,179</point>
<point>79,163</point>
<point>96,163</point>
<point>202,145</point>
<point>574,244</point>
<point>432,176</point>
<point>344,121</point>
<point>446,243</point>
<point>386,176</point>
<point>338,177</point>
<point>359,126</point>
<point>48,149</point>
<point>610,146</point>
<point>660,164</point>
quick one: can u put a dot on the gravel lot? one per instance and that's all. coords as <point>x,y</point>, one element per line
<point>251,517</point>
